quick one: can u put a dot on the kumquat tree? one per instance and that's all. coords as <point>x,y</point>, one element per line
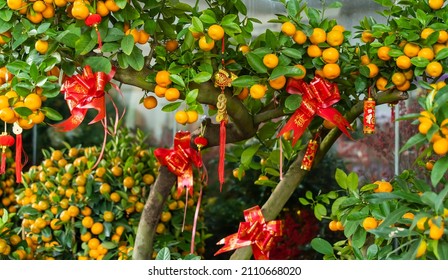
<point>281,98</point>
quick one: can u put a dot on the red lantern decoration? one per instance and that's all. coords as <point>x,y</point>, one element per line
<point>94,20</point>
<point>5,142</point>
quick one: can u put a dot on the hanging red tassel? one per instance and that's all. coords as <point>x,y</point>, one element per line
<point>222,153</point>
<point>18,132</point>
<point>3,164</point>
<point>94,20</point>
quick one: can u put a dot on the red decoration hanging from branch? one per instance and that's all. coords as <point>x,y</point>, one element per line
<point>254,232</point>
<point>369,116</point>
<point>310,153</point>
<point>87,91</point>
<point>5,142</point>
<point>94,20</point>
<point>179,160</point>
<point>317,98</point>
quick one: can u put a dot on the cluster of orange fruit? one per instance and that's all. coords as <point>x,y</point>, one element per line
<point>98,208</point>
<point>329,55</point>
<point>11,104</point>
<point>403,72</point>
<point>439,139</point>
<point>163,90</point>
<point>79,9</point>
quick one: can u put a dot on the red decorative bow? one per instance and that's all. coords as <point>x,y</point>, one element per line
<point>179,160</point>
<point>317,98</point>
<point>253,232</point>
<point>86,91</point>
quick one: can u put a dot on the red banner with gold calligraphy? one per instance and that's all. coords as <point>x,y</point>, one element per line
<point>253,232</point>
<point>317,99</point>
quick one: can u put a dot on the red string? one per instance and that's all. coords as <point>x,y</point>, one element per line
<point>19,158</point>
<point>222,152</point>
<point>100,44</point>
<point>3,164</point>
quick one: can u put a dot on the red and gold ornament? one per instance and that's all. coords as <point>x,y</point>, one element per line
<point>179,160</point>
<point>94,20</point>
<point>6,141</point>
<point>317,99</point>
<point>369,116</point>
<point>310,153</point>
<point>255,232</point>
<point>87,91</point>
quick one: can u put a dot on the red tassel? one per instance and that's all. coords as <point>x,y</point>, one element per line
<point>222,152</point>
<point>100,44</point>
<point>19,158</point>
<point>3,164</point>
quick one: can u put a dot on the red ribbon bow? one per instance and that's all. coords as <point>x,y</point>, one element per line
<point>253,232</point>
<point>179,160</point>
<point>317,98</point>
<point>86,91</point>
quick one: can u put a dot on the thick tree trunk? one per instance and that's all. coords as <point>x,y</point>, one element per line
<point>158,194</point>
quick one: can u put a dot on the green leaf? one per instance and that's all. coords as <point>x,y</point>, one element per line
<point>393,217</point>
<point>336,204</point>
<point>127,44</point>
<point>51,114</point>
<point>442,54</point>
<point>164,254</point>
<point>439,170</point>
<point>420,61</point>
<point>320,211</point>
<point>245,81</point>
<point>359,238</point>
<point>271,39</point>
<point>321,245</point>
<point>85,44</point>
<point>352,181</point>
<point>202,77</point>
<point>335,5</point>
<point>34,72</point>
<point>372,251</point>
<point>170,107</point>
<point>197,24</point>
<point>99,64</point>
<point>248,154</point>
<point>23,111</point>
<point>292,8</point>
<point>292,53</point>
<point>440,199</point>
<point>288,71</point>
<point>256,63</point>
<point>191,96</point>
<point>414,140</point>
<point>357,216</point>
<point>341,178</point>
<point>177,80</point>
<point>293,102</point>
<point>303,201</point>
<point>136,59</point>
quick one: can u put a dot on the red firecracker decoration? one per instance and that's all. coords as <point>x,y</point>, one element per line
<point>310,153</point>
<point>94,20</point>
<point>369,116</point>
